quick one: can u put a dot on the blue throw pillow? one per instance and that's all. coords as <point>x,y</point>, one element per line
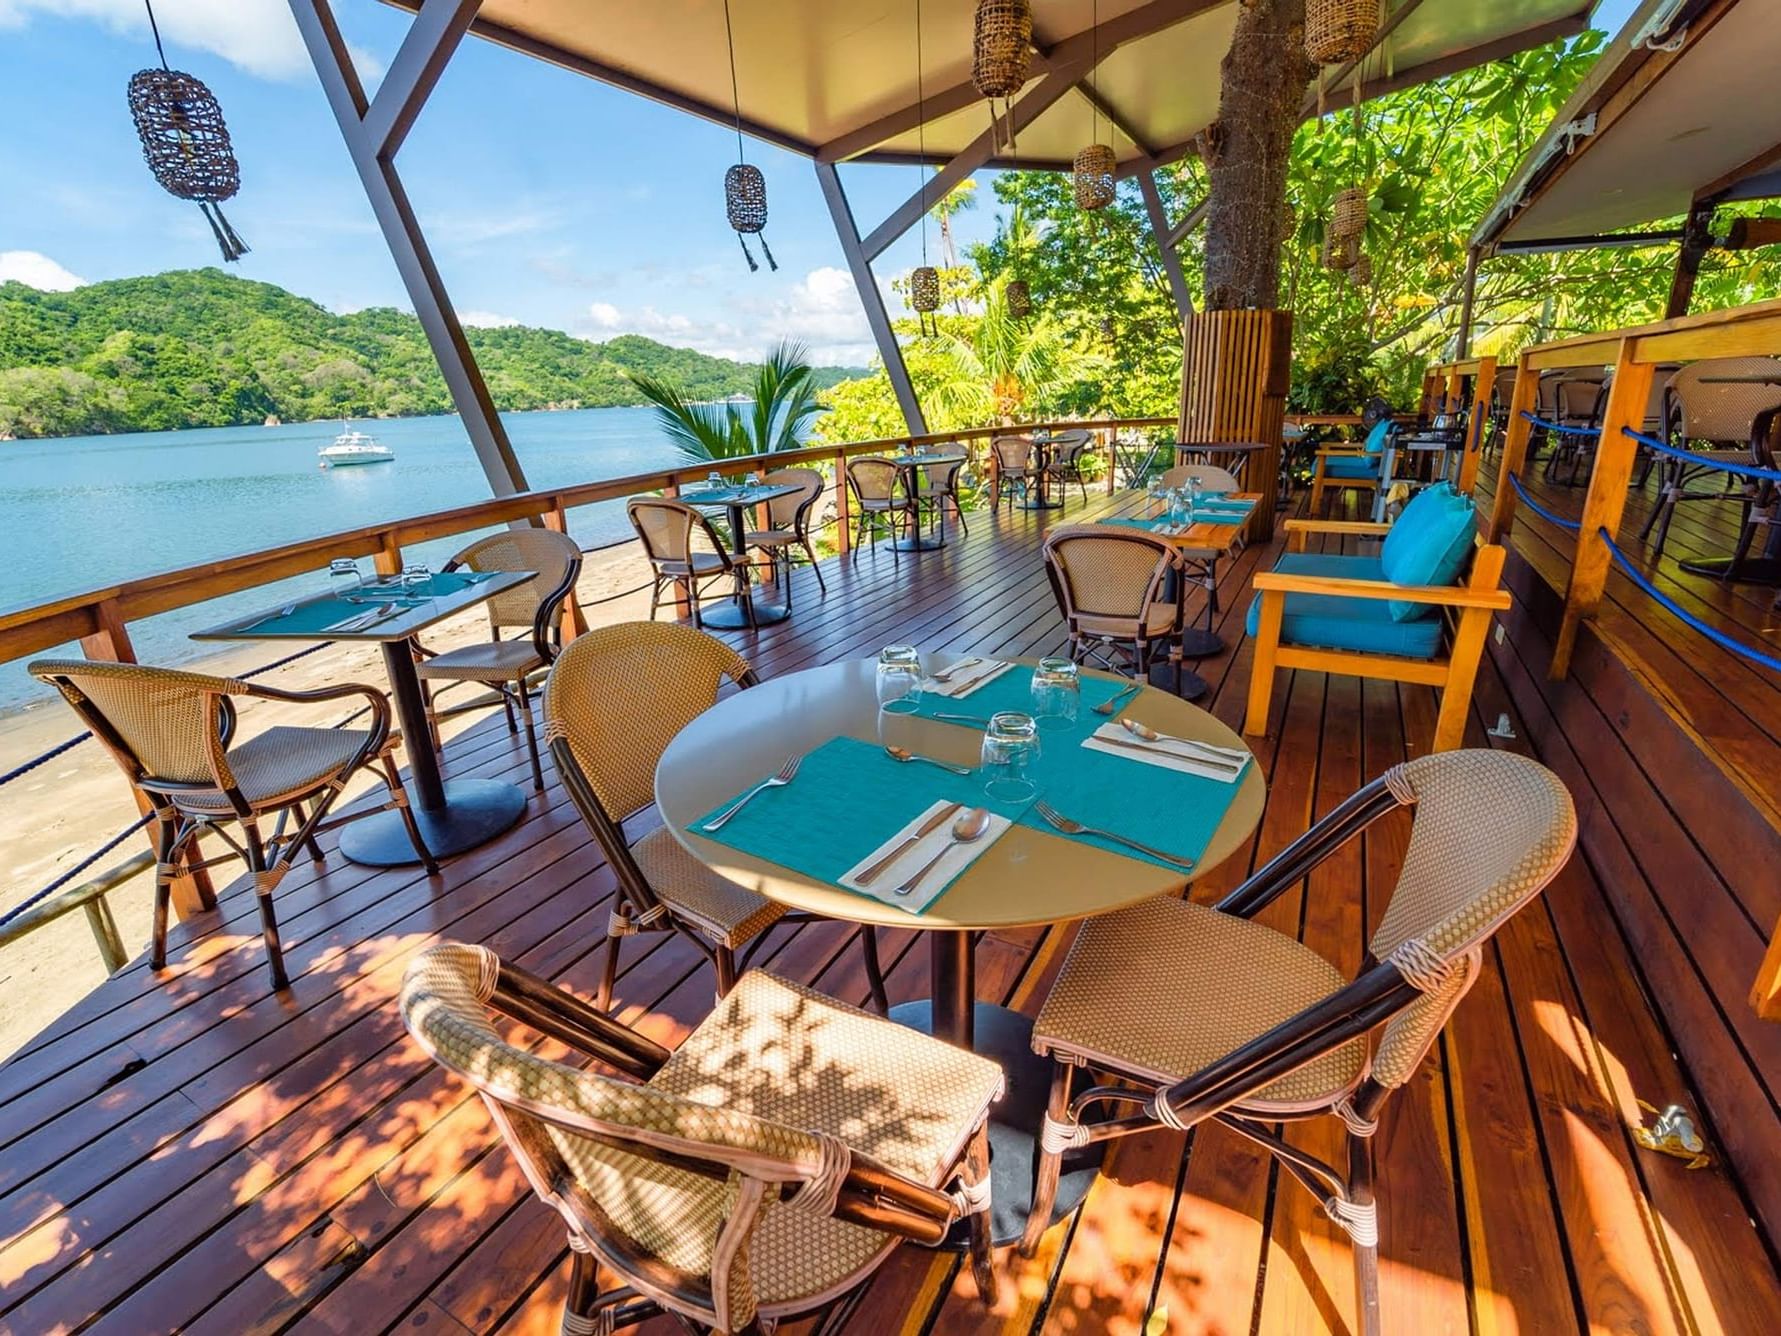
<point>1376,437</point>
<point>1430,544</point>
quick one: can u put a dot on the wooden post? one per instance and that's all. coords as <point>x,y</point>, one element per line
<point>1462,346</point>
<point>1456,388</point>
<point>843,507</point>
<point>1697,240</point>
<point>1515,438</point>
<point>1614,457</point>
<point>110,643</point>
<point>556,519</point>
<point>1482,381</point>
<point>1765,993</point>
<point>387,560</point>
<point>1234,377</point>
<point>683,602</point>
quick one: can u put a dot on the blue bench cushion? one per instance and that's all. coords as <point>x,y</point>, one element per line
<point>1431,544</point>
<point>1375,441</point>
<point>1362,624</point>
<point>1351,466</point>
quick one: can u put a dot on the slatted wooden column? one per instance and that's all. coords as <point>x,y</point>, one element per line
<point>1483,381</point>
<point>1516,434</point>
<point>1234,374</point>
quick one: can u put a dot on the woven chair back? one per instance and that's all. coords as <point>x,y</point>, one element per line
<point>666,528</point>
<point>873,479</point>
<point>160,723</point>
<point>1577,402</point>
<point>1721,412</point>
<point>1013,453</point>
<point>1108,573</point>
<point>1491,829</point>
<point>568,1125</point>
<point>786,512</point>
<point>553,555</point>
<point>620,693</point>
<point>1212,478</point>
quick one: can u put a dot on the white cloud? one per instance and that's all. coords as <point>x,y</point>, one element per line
<point>36,270</point>
<point>260,36</point>
<point>605,315</point>
<point>486,320</point>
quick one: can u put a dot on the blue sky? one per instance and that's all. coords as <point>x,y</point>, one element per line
<point>548,198</point>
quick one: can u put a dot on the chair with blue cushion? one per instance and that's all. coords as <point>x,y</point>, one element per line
<point>1367,466</point>
<point>1415,611</point>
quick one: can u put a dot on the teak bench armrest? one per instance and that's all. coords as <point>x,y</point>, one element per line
<point>1452,596</point>
<point>1358,528</point>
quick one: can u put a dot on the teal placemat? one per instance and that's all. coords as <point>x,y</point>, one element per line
<point>1013,690</point>
<point>317,616</point>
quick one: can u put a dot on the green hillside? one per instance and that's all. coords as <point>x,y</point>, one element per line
<point>199,348</point>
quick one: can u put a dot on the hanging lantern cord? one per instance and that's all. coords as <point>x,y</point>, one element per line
<point>155,29</point>
<point>921,143</point>
<point>741,156</point>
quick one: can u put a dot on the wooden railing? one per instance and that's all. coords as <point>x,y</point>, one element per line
<point>1444,390</point>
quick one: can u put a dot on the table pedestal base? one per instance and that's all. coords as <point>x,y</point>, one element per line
<point>728,616</point>
<point>1005,1037</point>
<point>1199,643</point>
<point>1193,686</point>
<point>475,811</point>
<point>1764,570</point>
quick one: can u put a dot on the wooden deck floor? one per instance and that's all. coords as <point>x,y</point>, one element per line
<point>194,1152</point>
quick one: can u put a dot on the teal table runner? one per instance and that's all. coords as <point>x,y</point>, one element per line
<point>1013,690</point>
<point>317,615</point>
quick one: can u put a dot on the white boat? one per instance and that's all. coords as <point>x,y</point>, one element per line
<point>353,447</point>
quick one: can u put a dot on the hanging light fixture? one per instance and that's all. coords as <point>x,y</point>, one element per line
<point>1340,253</point>
<point>1000,46</point>
<point>1092,172</point>
<point>185,142</point>
<point>924,283</point>
<point>1018,298</point>
<point>745,189</point>
<point>1340,30</point>
<point>1348,213</point>
<point>1360,273</point>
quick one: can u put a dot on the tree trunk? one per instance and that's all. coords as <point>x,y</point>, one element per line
<point>1262,88</point>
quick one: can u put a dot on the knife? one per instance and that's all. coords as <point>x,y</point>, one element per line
<point>1151,749</point>
<point>928,827</point>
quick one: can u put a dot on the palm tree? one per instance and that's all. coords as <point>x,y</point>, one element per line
<point>784,403</point>
<point>1004,367</point>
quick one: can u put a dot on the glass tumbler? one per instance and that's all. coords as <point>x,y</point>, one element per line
<point>1010,747</point>
<point>899,679</point>
<point>344,577</point>
<point>1057,693</point>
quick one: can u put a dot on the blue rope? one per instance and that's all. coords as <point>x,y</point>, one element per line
<point>76,870</point>
<point>27,767</point>
<point>1560,427</point>
<point>1690,457</point>
<point>1718,637</point>
<point>1540,510</point>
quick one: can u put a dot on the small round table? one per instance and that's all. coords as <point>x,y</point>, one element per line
<point>1027,878</point>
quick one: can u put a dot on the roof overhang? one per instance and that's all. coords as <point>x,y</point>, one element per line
<point>1681,108</point>
<point>837,82</point>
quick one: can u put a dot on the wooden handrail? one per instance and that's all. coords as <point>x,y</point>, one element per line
<point>96,612</point>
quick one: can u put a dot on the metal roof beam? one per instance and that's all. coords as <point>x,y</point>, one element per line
<point>438,27</point>
<point>1115,119</point>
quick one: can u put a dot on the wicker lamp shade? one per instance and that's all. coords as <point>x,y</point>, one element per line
<point>745,200</point>
<point>1340,253</point>
<point>1019,298</point>
<point>1000,46</point>
<point>186,145</point>
<point>924,294</point>
<point>1093,176</point>
<point>1339,30</point>
<point>1360,273</point>
<point>1348,212</point>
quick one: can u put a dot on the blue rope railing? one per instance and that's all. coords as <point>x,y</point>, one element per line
<point>1560,426</point>
<point>1676,610</point>
<point>1690,457</point>
<point>1540,510</point>
<point>73,872</point>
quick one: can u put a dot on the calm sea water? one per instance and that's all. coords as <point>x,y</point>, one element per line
<point>80,512</point>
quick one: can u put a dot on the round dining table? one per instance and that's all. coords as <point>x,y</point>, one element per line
<point>1027,878</point>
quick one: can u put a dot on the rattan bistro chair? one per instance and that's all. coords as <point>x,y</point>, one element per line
<point>1709,410</point>
<point>173,735</point>
<point>1012,470</point>
<point>763,1169</point>
<point>1110,584</point>
<point>666,528</point>
<point>879,497</point>
<point>941,486</point>
<point>1065,465</point>
<point>614,700</point>
<point>789,516</point>
<point>1214,1016</point>
<point>535,606</point>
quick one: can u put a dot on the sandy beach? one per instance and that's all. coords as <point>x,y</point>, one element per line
<point>59,812</point>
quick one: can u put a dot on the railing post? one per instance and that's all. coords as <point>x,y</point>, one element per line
<point>843,507</point>
<point>1482,381</point>
<point>683,603</point>
<point>1456,380</point>
<point>1514,454</point>
<point>1614,457</point>
<point>110,642</point>
<point>556,519</point>
<point>387,560</point>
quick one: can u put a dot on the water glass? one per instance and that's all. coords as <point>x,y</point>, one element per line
<point>754,478</point>
<point>899,679</point>
<point>1057,693</point>
<point>415,576</point>
<point>1010,746</point>
<point>714,480</point>
<point>1193,494</point>
<point>1178,506</point>
<point>1157,495</point>
<point>344,577</point>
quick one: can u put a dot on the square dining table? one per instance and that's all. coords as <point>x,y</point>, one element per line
<point>453,815</point>
<point>909,465</point>
<point>737,499</point>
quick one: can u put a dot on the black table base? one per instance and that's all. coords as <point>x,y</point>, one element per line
<point>1042,503</point>
<point>1752,570</point>
<point>1199,643</point>
<point>1193,686</point>
<point>475,811</point>
<point>1006,1037</point>
<point>918,542</point>
<point>729,615</point>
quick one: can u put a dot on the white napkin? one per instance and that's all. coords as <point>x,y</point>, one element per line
<point>1188,757</point>
<point>958,858</point>
<point>962,684</point>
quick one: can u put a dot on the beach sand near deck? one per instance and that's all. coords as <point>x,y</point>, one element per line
<point>55,815</point>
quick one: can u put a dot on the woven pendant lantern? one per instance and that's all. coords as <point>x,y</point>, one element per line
<point>1092,175</point>
<point>186,144</point>
<point>1348,212</point>
<point>1360,273</point>
<point>1340,253</point>
<point>1000,47</point>
<point>1340,30</point>
<point>1019,298</point>
<point>745,189</point>
<point>924,295</point>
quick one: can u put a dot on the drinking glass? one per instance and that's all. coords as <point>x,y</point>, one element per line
<point>1057,693</point>
<point>714,481</point>
<point>754,478</point>
<point>1157,495</point>
<point>899,679</point>
<point>1010,746</point>
<point>1178,506</point>
<point>1193,495</point>
<point>415,576</point>
<point>344,577</point>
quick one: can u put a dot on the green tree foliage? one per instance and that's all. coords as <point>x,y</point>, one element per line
<point>200,348</point>
<point>782,402</point>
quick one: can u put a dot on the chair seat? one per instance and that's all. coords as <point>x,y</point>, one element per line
<point>1352,467</point>
<point>1364,625</point>
<point>1159,621</point>
<point>701,563</point>
<point>493,661</point>
<point>793,1056</point>
<point>730,914</point>
<point>281,765</point>
<point>1167,987</point>
<point>771,537</point>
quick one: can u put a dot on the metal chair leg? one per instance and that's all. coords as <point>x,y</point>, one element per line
<point>399,795</point>
<point>256,864</point>
<point>874,969</point>
<point>525,712</point>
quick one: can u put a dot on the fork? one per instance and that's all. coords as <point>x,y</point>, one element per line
<point>1058,821</point>
<point>784,776</point>
<point>1119,701</point>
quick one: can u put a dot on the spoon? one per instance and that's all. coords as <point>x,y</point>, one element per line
<point>1213,755</point>
<point>973,822</point>
<point>904,755</point>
